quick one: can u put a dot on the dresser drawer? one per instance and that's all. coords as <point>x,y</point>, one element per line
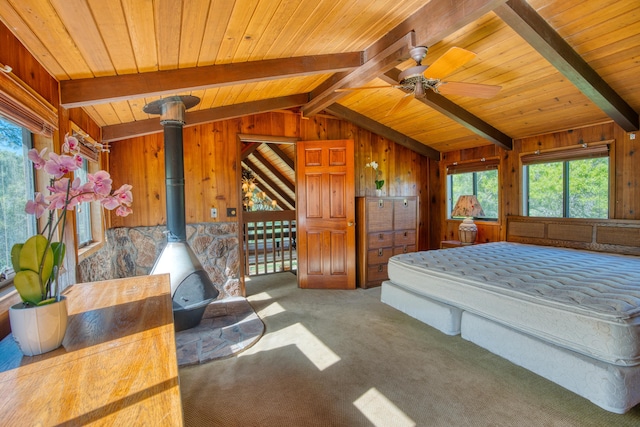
<point>404,237</point>
<point>405,213</point>
<point>377,273</point>
<point>397,250</point>
<point>379,214</point>
<point>380,240</point>
<point>378,256</point>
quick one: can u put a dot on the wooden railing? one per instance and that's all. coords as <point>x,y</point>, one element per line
<point>269,242</point>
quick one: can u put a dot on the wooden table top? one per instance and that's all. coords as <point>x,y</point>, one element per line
<point>117,363</point>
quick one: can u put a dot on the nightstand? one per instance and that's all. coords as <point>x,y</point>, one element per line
<point>451,244</point>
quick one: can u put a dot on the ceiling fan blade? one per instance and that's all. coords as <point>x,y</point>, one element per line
<point>453,59</point>
<point>468,89</point>
<point>404,101</point>
<point>349,89</point>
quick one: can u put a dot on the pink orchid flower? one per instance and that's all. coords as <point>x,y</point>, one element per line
<point>37,206</point>
<point>58,166</point>
<point>124,194</point>
<point>123,211</point>
<point>71,144</point>
<point>37,158</point>
<point>101,182</point>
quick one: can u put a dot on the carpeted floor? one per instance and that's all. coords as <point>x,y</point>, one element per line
<point>342,358</point>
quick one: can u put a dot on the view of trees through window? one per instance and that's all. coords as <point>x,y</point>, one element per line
<point>16,187</point>
<point>484,185</point>
<point>573,189</point>
<point>83,210</point>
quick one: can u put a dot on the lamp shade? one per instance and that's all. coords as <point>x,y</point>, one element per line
<point>467,206</point>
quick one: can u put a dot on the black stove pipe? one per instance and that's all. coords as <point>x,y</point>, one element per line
<point>174,179</point>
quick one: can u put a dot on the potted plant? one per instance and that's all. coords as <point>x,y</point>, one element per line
<point>378,174</point>
<point>39,322</point>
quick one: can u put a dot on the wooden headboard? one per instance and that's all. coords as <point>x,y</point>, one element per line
<point>604,235</point>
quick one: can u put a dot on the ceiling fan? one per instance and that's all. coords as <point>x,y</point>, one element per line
<point>418,79</point>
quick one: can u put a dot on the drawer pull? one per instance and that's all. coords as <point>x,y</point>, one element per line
<point>380,236</point>
<point>406,203</point>
<point>380,252</point>
<point>405,249</point>
<point>380,203</point>
<point>406,234</point>
<point>380,268</point>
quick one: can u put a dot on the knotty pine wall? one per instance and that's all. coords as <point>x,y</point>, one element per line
<point>211,162</point>
<point>624,164</point>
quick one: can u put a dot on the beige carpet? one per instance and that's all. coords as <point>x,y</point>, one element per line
<point>342,358</point>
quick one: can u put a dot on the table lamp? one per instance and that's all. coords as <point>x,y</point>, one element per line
<point>468,207</point>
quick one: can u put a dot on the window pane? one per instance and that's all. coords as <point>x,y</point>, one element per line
<point>83,210</point>
<point>545,189</point>
<point>589,188</point>
<point>461,184</point>
<point>485,189</point>
<point>16,187</point>
<point>488,192</point>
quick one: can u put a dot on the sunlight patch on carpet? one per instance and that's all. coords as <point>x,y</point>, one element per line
<point>308,344</point>
<point>381,411</point>
<point>271,310</point>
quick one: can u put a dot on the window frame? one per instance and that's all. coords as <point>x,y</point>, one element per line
<point>90,152</point>
<point>483,165</point>
<point>565,155</point>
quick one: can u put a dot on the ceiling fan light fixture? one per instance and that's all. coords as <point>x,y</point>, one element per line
<point>419,90</point>
<point>418,53</point>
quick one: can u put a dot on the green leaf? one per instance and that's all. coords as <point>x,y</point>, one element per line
<point>37,251</point>
<point>27,284</point>
<point>15,256</point>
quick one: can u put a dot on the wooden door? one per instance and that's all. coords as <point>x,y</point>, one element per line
<point>325,231</point>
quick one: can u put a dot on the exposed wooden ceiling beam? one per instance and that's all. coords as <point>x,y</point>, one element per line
<point>457,114</point>
<point>326,94</point>
<point>371,125</point>
<point>429,25</point>
<point>538,33</point>
<point>192,118</point>
<point>282,155</point>
<point>280,192</point>
<point>82,92</point>
<point>248,148</point>
<point>267,164</point>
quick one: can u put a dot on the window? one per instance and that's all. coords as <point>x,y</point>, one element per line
<point>83,210</point>
<point>479,179</point>
<point>572,184</point>
<point>16,187</point>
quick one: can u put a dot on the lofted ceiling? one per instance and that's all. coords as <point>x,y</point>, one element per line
<point>561,64</point>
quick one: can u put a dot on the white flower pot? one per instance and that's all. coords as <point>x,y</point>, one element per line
<point>378,193</point>
<point>40,329</point>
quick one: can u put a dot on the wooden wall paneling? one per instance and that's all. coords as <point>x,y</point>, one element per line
<point>627,175</point>
<point>26,67</point>
<point>140,163</point>
<point>195,176</point>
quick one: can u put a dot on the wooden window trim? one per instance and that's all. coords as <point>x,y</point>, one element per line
<point>473,166</point>
<point>22,105</point>
<point>577,152</point>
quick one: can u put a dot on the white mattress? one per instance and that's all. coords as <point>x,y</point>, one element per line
<point>584,301</point>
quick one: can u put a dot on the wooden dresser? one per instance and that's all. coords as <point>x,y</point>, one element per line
<point>386,226</point>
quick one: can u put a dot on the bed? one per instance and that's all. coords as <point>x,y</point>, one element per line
<point>568,312</point>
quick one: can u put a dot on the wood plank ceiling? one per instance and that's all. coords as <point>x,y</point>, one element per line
<point>561,63</point>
